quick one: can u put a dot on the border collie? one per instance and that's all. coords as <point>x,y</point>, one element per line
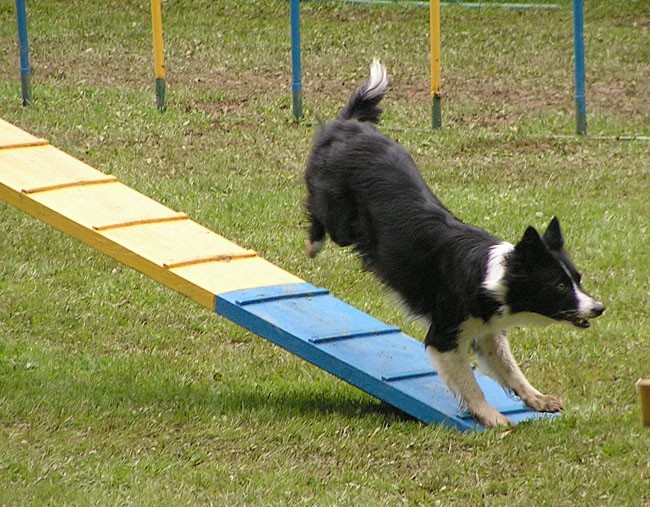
<point>365,190</point>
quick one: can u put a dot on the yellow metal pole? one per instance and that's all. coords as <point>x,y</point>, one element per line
<point>158,53</point>
<point>434,35</point>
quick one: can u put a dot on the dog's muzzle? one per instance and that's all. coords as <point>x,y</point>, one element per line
<point>581,319</point>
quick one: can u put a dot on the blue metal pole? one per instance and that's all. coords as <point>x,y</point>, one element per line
<point>296,72</point>
<point>25,72</point>
<point>579,58</point>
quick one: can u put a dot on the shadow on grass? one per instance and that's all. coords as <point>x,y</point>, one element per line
<point>284,400</point>
<point>290,401</point>
<point>121,387</point>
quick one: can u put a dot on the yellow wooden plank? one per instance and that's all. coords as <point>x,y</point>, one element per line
<point>102,205</point>
<point>220,277</point>
<point>173,243</point>
<point>101,243</point>
<point>11,135</point>
<point>24,169</point>
<point>113,218</point>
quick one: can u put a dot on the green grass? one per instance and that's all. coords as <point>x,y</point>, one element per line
<point>117,391</point>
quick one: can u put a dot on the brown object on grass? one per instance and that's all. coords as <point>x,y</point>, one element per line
<point>643,389</point>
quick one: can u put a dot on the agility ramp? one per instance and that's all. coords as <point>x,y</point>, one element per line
<point>233,281</point>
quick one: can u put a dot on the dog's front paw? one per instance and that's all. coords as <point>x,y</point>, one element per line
<point>545,403</point>
<point>313,247</point>
<point>492,418</point>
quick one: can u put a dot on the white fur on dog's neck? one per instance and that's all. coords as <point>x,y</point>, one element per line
<point>496,269</point>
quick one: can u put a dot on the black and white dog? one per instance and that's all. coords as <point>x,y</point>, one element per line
<point>365,190</point>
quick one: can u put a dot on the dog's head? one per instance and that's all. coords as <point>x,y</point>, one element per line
<point>541,279</point>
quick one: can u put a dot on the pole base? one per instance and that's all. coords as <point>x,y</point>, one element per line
<point>297,105</point>
<point>160,95</point>
<point>436,113</point>
<point>26,87</point>
<point>581,116</point>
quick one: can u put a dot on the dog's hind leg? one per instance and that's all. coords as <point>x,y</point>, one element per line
<point>316,238</point>
<point>454,368</point>
<point>495,359</point>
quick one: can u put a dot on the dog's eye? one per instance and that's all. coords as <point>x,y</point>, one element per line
<point>561,287</point>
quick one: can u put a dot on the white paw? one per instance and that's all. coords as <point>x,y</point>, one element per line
<point>491,418</point>
<point>312,248</point>
<point>543,403</point>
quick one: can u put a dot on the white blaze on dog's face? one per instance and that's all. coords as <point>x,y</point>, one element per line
<point>588,307</point>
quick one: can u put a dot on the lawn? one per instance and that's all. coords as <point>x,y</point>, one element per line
<point>116,391</point>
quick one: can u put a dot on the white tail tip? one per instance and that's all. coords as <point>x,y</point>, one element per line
<point>378,81</point>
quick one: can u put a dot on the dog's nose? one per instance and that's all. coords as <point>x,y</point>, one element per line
<point>598,309</point>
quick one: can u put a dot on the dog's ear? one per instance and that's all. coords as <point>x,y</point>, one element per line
<point>531,247</point>
<point>531,236</point>
<point>553,236</point>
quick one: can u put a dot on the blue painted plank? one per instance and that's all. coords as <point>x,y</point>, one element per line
<point>365,352</point>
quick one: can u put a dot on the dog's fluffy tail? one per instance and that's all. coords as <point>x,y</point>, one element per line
<point>363,104</point>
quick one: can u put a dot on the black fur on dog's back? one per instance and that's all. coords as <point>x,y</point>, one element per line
<point>366,191</point>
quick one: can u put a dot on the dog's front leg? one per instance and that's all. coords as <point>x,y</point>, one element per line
<point>316,238</point>
<point>454,368</point>
<point>495,359</point>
